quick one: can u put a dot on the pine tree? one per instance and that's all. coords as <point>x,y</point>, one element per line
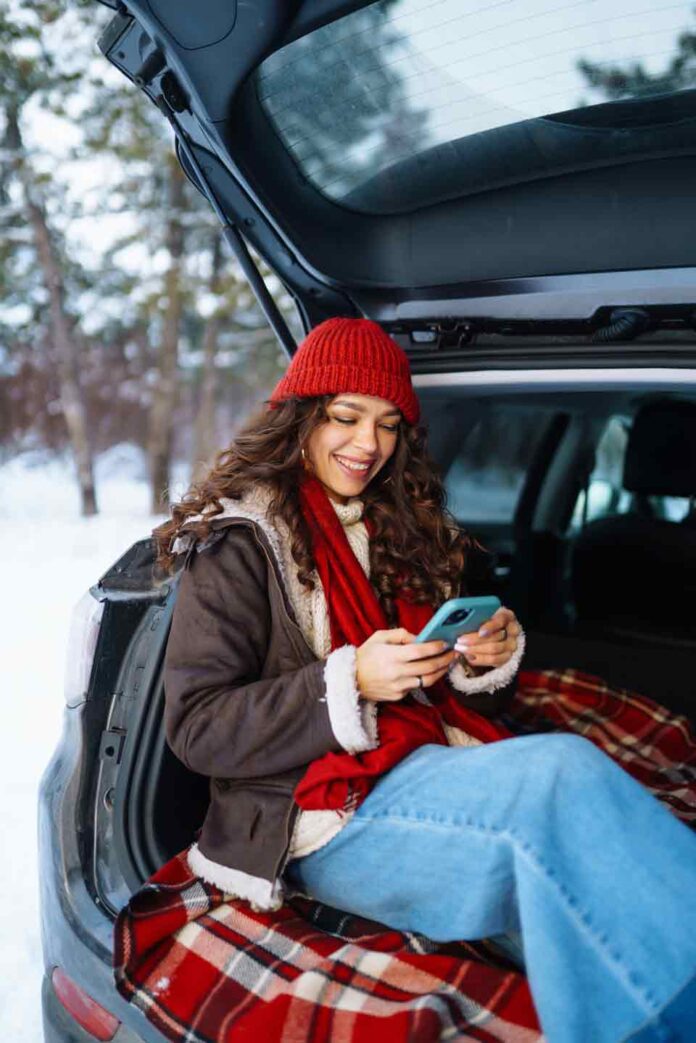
<point>634,81</point>
<point>29,72</point>
<point>190,297</point>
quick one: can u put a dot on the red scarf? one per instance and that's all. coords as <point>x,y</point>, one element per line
<point>343,780</point>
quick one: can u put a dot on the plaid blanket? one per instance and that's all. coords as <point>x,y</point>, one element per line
<point>205,968</point>
<point>650,742</point>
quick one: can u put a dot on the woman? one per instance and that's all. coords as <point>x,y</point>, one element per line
<point>363,767</point>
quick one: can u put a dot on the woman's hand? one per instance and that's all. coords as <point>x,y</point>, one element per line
<point>494,643</point>
<point>390,663</point>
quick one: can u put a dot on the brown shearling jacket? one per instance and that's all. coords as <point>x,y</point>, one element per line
<point>245,704</point>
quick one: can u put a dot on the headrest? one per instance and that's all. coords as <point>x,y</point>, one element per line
<point>661,452</point>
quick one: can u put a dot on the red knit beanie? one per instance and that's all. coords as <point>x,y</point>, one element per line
<point>349,355</point>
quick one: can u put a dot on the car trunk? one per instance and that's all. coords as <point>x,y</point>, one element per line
<point>137,804</point>
<point>515,457</point>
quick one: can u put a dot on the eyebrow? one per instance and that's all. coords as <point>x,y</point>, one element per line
<point>361,409</point>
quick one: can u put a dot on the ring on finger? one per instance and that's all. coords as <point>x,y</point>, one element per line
<point>420,682</point>
<point>504,634</point>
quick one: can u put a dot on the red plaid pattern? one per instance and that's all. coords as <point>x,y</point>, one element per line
<point>207,969</point>
<point>655,746</point>
<point>203,969</point>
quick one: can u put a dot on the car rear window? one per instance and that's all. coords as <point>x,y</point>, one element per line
<point>401,80</point>
<point>485,478</point>
<point>605,495</point>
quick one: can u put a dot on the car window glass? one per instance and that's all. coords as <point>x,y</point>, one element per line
<point>486,477</point>
<point>605,495</point>
<point>400,78</point>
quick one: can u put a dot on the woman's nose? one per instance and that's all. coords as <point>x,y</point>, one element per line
<point>366,439</point>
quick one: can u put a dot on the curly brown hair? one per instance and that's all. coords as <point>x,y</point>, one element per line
<point>417,547</point>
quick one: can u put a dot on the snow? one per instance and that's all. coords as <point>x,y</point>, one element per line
<point>49,557</point>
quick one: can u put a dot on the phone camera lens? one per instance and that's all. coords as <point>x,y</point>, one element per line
<point>456,617</point>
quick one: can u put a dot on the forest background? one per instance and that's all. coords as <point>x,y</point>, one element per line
<point>122,319</point>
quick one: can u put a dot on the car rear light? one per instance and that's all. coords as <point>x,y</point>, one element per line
<point>94,1019</point>
<point>82,641</point>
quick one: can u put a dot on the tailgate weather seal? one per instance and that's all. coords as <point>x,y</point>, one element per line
<point>595,377</point>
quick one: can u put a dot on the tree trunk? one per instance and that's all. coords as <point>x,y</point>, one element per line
<point>64,342</point>
<point>161,419</point>
<point>205,427</point>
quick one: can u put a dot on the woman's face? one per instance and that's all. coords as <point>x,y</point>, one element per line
<point>347,451</point>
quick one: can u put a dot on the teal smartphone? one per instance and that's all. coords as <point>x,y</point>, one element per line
<point>458,616</point>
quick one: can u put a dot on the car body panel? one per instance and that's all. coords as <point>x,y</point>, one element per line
<point>77,932</point>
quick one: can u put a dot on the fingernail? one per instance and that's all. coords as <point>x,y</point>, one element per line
<point>483,632</point>
<point>470,655</point>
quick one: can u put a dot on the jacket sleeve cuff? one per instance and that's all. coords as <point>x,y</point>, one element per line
<point>354,722</point>
<point>491,680</point>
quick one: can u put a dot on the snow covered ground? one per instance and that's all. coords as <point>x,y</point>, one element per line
<point>48,557</point>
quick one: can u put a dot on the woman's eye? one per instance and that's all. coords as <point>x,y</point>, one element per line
<point>385,427</point>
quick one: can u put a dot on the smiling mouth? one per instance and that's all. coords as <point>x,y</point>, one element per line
<point>353,469</point>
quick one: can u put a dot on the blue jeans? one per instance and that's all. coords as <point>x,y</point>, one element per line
<point>542,836</point>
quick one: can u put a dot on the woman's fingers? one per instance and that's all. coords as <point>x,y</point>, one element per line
<point>495,641</point>
<point>421,650</point>
<point>414,663</point>
<point>499,627</point>
<point>430,667</point>
<point>501,619</point>
<point>485,657</point>
<point>424,665</point>
<point>431,678</point>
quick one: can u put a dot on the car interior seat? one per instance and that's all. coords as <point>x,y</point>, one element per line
<point>634,574</point>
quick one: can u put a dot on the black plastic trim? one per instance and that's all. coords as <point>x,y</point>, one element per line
<point>541,357</point>
<point>142,693</point>
<point>556,428</point>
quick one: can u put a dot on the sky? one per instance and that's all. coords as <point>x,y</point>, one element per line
<point>476,63</point>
